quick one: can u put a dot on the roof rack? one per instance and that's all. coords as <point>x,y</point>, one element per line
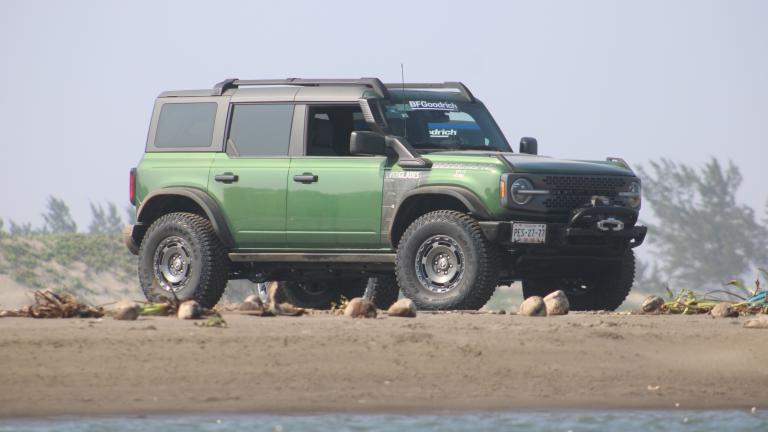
<point>373,83</point>
<point>451,85</point>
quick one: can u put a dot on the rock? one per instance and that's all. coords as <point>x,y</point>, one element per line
<point>723,310</point>
<point>403,308</point>
<point>252,303</point>
<point>557,303</point>
<point>251,306</point>
<point>126,310</point>
<point>757,323</point>
<point>652,304</point>
<point>253,298</point>
<point>287,309</point>
<point>533,306</point>
<point>360,308</point>
<point>190,309</point>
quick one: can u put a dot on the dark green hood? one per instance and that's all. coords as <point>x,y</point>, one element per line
<point>524,163</point>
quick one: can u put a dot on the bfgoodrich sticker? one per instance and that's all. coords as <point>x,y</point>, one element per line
<point>435,106</point>
<point>442,133</point>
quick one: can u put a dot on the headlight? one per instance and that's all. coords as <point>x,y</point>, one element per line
<point>633,194</point>
<point>519,189</point>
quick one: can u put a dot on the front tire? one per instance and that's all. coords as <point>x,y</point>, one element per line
<point>597,289</point>
<point>309,295</point>
<point>444,262</point>
<point>382,291</point>
<point>182,257</point>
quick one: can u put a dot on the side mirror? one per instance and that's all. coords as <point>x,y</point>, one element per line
<point>529,145</point>
<point>366,143</point>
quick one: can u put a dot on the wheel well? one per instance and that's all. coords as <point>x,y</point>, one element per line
<point>417,205</point>
<point>161,205</point>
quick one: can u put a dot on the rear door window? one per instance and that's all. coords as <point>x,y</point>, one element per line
<point>260,130</point>
<point>185,125</point>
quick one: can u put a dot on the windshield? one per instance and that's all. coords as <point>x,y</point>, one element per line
<point>432,123</point>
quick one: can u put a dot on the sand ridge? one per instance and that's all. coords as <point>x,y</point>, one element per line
<point>330,363</point>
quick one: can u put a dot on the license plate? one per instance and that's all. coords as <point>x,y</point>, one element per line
<point>529,233</point>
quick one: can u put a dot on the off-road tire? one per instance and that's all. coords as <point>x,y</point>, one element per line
<point>382,291</point>
<point>607,285</point>
<point>208,263</point>
<point>309,295</point>
<point>481,262</point>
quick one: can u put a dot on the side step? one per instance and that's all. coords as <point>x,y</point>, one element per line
<point>304,257</point>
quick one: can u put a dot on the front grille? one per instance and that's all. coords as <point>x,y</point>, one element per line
<point>570,192</point>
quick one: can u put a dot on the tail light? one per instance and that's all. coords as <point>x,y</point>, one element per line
<point>132,187</point>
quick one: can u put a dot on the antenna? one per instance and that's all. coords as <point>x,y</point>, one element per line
<point>405,120</point>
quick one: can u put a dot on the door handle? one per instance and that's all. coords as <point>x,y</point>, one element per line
<point>305,178</point>
<point>226,178</point>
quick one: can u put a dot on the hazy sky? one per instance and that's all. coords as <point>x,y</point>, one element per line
<point>638,79</point>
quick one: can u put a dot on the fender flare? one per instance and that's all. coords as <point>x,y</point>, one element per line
<point>202,199</point>
<point>468,198</point>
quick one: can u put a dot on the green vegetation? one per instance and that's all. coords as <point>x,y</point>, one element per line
<point>700,235</point>
<point>70,262</point>
<point>58,258</point>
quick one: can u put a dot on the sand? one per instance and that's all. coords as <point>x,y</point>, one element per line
<point>451,362</point>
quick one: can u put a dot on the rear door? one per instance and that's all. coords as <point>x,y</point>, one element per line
<point>334,198</point>
<point>249,180</point>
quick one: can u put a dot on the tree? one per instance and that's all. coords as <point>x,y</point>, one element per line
<point>20,230</point>
<point>58,219</point>
<point>703,236</point>
<point>105,222</point>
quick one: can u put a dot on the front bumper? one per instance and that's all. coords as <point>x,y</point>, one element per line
<point>560,235</point>
<point>590,227</point>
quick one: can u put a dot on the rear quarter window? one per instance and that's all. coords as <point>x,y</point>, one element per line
<point>185,125</point>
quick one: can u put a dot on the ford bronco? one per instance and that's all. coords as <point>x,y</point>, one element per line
<point>352,187</point>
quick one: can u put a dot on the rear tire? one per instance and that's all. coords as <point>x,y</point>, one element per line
<point>382,291</point>
<point>444,262</point>
<point>181,256</point>
<point>599,288</point>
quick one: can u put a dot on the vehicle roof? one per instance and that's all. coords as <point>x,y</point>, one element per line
<point>327,92</point>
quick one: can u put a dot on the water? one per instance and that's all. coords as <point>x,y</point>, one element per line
<point>575,421</point>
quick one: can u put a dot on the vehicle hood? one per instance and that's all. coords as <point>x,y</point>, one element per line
<point>546,165</point>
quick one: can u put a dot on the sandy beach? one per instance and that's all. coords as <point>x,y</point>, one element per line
<point>329,363</point>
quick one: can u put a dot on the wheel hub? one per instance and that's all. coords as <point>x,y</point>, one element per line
<point>439,264</point>
<point>172,264</point>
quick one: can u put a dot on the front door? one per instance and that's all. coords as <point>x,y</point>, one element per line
<point>334,198</point>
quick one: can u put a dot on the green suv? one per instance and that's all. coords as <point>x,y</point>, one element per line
<point>360,188</point>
